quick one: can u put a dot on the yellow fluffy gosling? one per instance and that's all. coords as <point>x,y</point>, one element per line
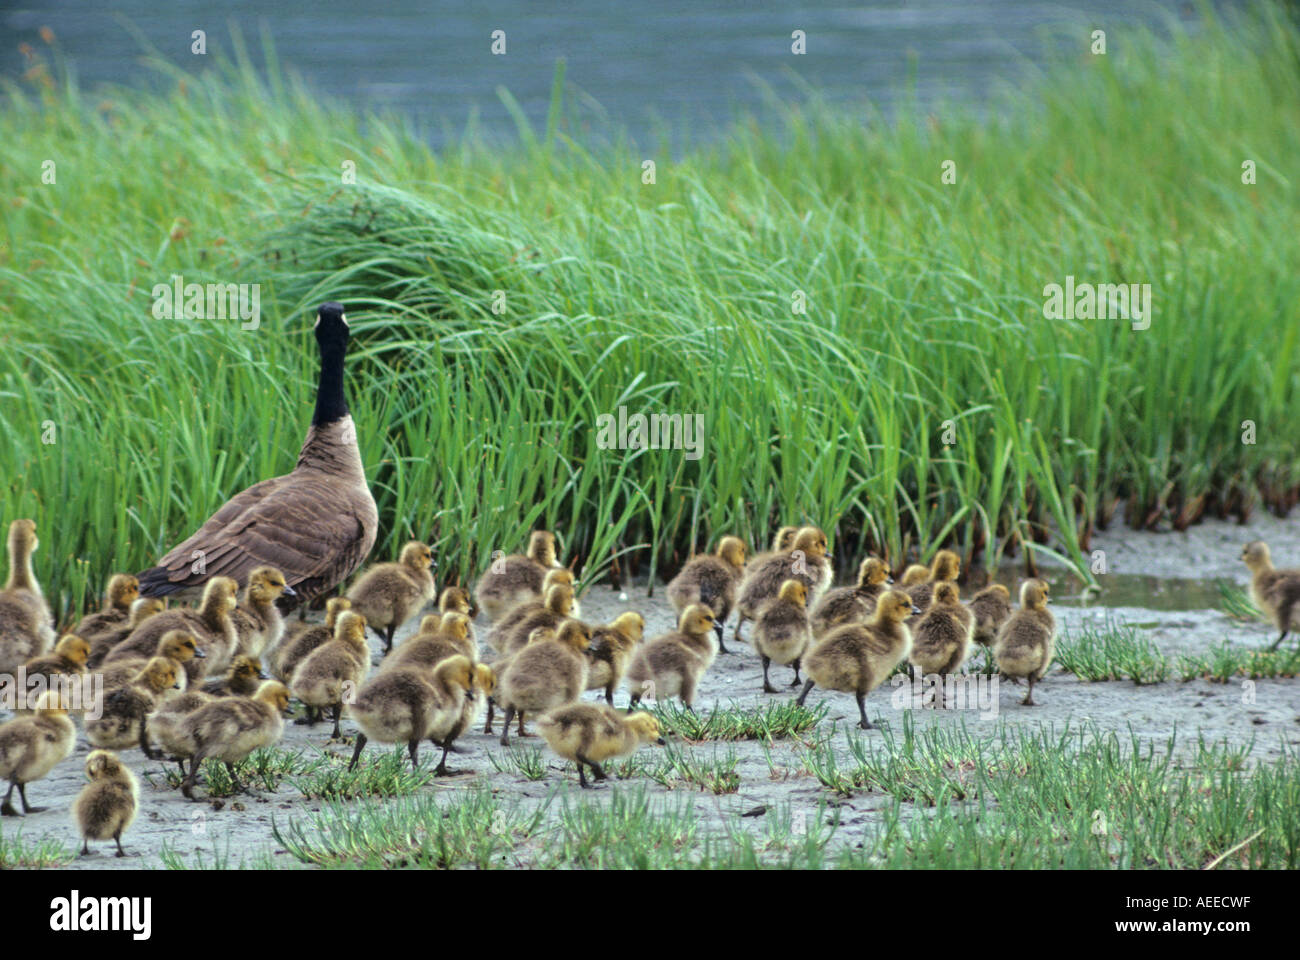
<point>671,665</point>
<point>31,746</point>
<point>1027,641</point>
<point>941,639</point>
<point>389,594</point>
<point>1276,592</point>
<point>713,580</point>
<point>856,658</point>
<point>591,733</point>
<point>782,632</point>
<point>106,805</point>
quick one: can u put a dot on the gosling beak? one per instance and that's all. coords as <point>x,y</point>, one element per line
<point>915,608</point>
<point>290,591</point>
<point>889,579</point>
<point>261,675</point>
<point>662,742</point>
<point>200,654</point>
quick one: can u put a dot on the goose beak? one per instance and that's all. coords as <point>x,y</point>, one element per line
<point>889,579</point>
<point>200,654</point>
<point>290,591</point>
<point>261,675</point>
<point>662,742</point>
<point>915,608</point>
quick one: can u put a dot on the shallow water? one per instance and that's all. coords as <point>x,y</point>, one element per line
<point>686,63</point>
<point>1121,590</point>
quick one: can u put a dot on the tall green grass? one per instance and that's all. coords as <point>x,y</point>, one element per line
<point>924,305</point>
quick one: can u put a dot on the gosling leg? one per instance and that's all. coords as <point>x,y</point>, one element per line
<point>356,754</point>
<point>767,684</point>
<point>505,729</point>
<point>7,808</point>
<point>807,688</point>
<point>27,807</point>
<point>863,722</point>
<point>117,837</point>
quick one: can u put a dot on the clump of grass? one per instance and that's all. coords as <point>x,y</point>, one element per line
<point>17,853</point>
<point>219,859</point>
<point>527,762</point>
<point>383,775</point>
<point>910,305</point>
<point>1075,799</point>
<point>774,721</point>
<point>1113,651</point>
<point>1236,602</point>
<point>465,829</point>
<point>264,768</point>
<point>1226,661</point>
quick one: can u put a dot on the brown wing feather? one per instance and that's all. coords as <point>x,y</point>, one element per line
<point>301,526</point>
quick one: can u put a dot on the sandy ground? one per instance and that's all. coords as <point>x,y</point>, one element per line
<point>241,826</point>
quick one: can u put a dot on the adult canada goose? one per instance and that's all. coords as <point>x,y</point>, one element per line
<point>316,524</point>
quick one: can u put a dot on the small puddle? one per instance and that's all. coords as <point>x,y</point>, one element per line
<point>1119,590</point>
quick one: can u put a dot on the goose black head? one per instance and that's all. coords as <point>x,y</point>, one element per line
<point>331,325</point>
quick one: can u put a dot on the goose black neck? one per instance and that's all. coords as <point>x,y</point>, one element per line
<point>331,405</point>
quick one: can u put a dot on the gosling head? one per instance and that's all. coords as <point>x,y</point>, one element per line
<point>732,551</point>
<point>485,680</point>
<point>159,674</point>
<point>914,574</point>
<point>333,607</point>
<point>244,669</point>
<point>1034,594</point>
<point>946,592</point>
<point>144,608</point>
<point>630,625</point>
<point>180,646</point>
<point>416,555</point>
<point>574,634</point>
<point>1257,556</point>
<point>812,542</point>
<point>873,572</point>
<point>947,565</point>
<point>350,626</point>
<point>123,590</point>
<point>645,726</point>
<point>103,765</point>
<point>454,600</point>
<point>696,620</point>
<point>430,623</point>
<point>794,591</point>
<point>783,540</point>
<point>73,649</point>
<point>541,547</point>
<point>267,584</point>
<point>557,575</point>
<point>895,607</point>
<point>1000,590</point>
<point>275,694</point>
<point>221,593</point>
<point>458,673</point>
<point>559,600</point>
<point>455,625</point>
